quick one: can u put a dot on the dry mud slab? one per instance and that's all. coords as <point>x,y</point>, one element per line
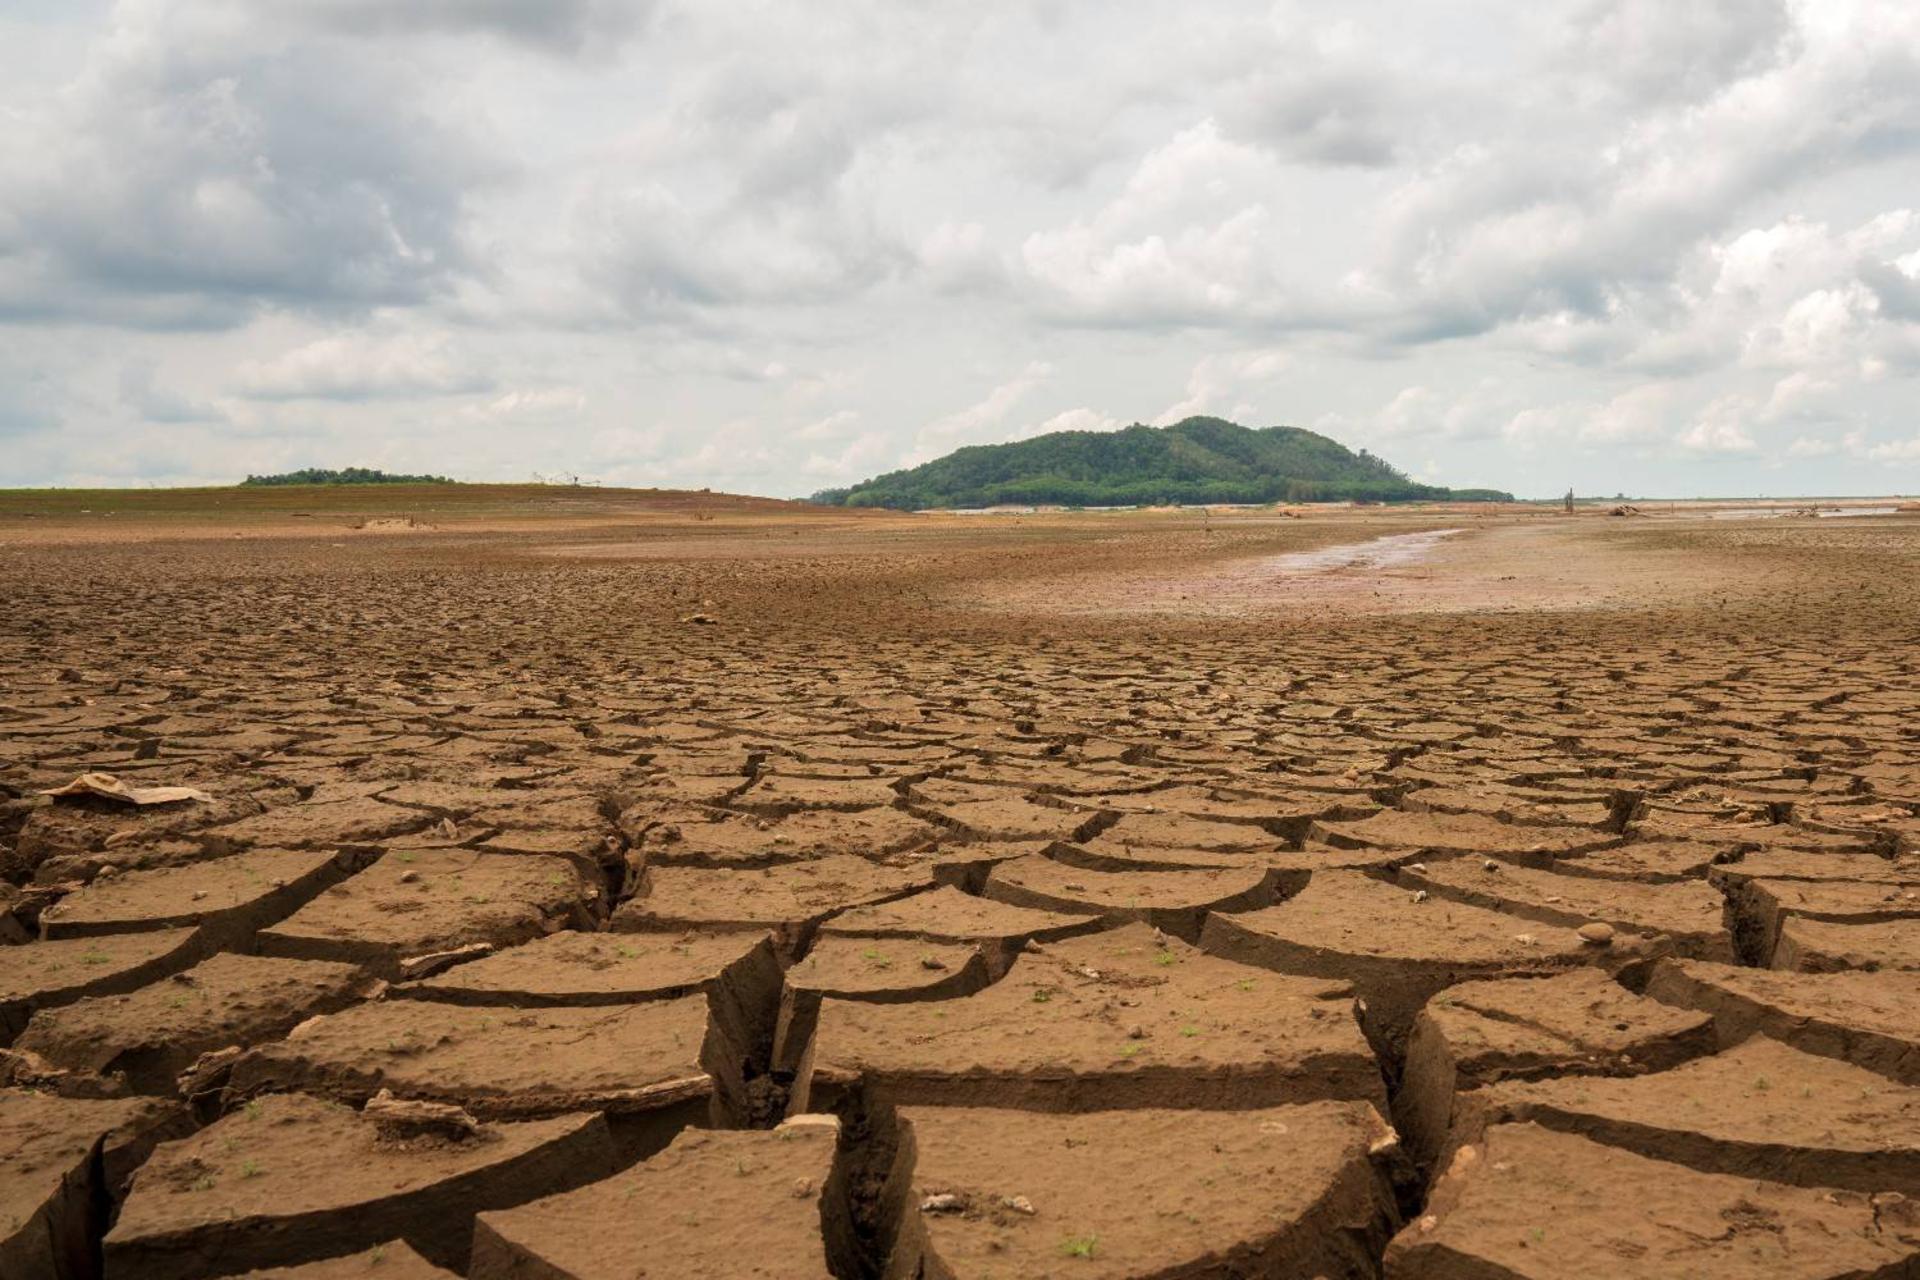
<point>1763,907</point>
<point>885,726</point>
<point>1761,1110</point>
<point>590,969</point>
<point>291,1179</point>
<point>58,1177</point>
<point>949,915</point>
<point>47,975</point>
<point>1126,1018</point>
<point>1688,916</point>
<point>1395,947</point>
<point>790,900</point>
<point>1574,1024</point>
<point>712,1205</point>
<point>150,1036</point>
<point>391,1260</point>
<point>1871,1020</point>
<point>1173,901</point>
<point>733,840</point>
<point>1530,1202</point>
<point>1282,1191</point>
<point>413,902</point>
<point>229,898</point>
<point>1821,946</point>
<point>630,1061</point>
<point>1461,833</point>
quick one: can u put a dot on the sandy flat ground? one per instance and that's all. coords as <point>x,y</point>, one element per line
<point>1268,830</point>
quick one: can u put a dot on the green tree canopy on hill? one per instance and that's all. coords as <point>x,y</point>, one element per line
<point>347,475</point>
<point>1197,460</point>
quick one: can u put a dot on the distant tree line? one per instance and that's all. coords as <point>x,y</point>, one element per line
<point>346,475</point>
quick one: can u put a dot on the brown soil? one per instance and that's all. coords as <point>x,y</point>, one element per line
<point>588,969</point>
<point>710,1207</point>
<point>1281,1191</point>
<point>411,902</point>
<point>1529,1202</point>
<point>1577,1023</point>
<point>229,898</point>
<point>55,1181</point>
<point>1819,946</point>
<point>1869,1019</point>
<point>149,1037</point>
<point>791,899</point>
<point>1394,947</point>
<point>1761,1110</point>
<point>1173,901</point>
<point>497,1062</point>
<point>1126,1018</point>
<point>1688,915</point>
<point>290,1179</point>
<point>390,1260</point>
<point>1116,830</point>
<point>947,914</point>
<point>732,840</point>
<point>50,974</point>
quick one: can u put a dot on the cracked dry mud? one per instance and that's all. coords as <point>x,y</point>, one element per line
<point>1061,896</point>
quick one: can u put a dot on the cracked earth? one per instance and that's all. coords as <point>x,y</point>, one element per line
<point>746,891</point>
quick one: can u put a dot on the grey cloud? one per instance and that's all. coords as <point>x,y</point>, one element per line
<point>562,26</point>
<point>1323,115</point>
<point>1898,292</point>
<point>1656,50</point>
<point>1525,229</point>
<point>354,366</point>
<point>189,186</point>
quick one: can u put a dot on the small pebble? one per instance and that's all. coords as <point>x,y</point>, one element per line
<point>1595,933</point>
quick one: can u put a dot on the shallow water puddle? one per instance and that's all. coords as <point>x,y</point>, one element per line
<point>1388,552</point>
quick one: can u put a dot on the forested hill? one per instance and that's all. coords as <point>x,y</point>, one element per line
<point>1197,460</point>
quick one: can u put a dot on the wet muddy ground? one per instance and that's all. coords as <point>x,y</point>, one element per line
<point>723,891</point>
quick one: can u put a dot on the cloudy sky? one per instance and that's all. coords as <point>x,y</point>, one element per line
<point>1626,245</point>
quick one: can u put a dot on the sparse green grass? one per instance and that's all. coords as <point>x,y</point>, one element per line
<point>1079,1246</point>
